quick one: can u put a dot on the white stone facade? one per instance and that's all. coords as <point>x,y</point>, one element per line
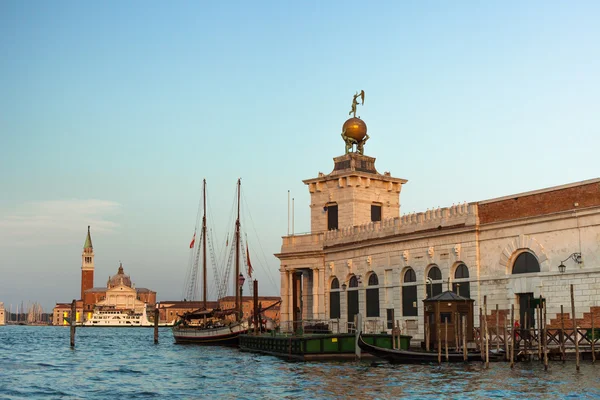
<point>485,236</point>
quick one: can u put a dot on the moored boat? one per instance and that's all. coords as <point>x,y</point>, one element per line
<point>397,356</point>
<point>214,327</point>
<point>111,317</point>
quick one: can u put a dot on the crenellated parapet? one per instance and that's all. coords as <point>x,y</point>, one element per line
<point>454,216</point>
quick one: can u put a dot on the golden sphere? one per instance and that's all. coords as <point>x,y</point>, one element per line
<point>355,128</point>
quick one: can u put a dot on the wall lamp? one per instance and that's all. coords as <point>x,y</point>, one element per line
<point>575,257</point>
<point>358,279</point>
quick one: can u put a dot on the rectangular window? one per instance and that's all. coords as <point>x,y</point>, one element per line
<point>446,317</point>
<point>390,318</point>
<point>409,301</point>
<point>334,302</point>
<point>332,217</point>
<point>372,302</point>
<point>375,212</point>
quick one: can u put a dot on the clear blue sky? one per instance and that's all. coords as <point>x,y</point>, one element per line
<point>111,113</point>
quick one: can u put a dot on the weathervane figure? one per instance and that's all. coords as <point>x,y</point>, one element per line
<point>355,103</point>
<point>354,131</point>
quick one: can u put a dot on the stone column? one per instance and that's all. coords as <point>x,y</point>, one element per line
<point>315,293</point>
<point>322,300</point>
<point>290,296</point>
<point>306,295</point>
<point>283,315</point>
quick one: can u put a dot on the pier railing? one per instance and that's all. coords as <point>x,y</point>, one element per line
<point>330,326</point>
<point>529,343</point>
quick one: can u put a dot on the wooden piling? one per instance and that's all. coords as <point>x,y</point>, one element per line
<point>257,309</point>
<point>487,339</point>
<point>545,337</point>
<point>456,330</point>
<point>593,339</point>
<point>439,335</point>
<point>513,336</point>
<point>562,334</point>
<point>505,340</point>
<point>446,337</point>
<point>526,336</point>
<point>427,335</point>
<point>575,333</point>
<point>156,324</point>
<point>539,315</point>
<point>464,335</point>
<point>73,321</point>
<point>497,330</point>
<point>481,332</point>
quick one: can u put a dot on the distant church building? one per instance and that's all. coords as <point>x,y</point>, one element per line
<point>362,256</point>
<point>119,293</point>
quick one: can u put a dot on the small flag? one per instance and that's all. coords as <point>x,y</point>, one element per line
<point>249,264</point>
<point>193,241</point>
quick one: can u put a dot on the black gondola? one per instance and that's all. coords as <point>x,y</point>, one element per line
<point>417,357</point>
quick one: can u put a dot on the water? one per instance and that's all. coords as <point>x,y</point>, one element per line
<point>37,362</point>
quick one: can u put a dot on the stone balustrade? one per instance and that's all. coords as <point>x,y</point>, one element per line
<point>465,214</point>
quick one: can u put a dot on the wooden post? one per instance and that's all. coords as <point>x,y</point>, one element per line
<point>497,330</point>
<point>575,333</point>
<point>439,335</point>
<point>487,339</point>
<point>464,335</point>
<point>256,307</point>
<point>562,334</point>
<point>593,339</point>
<point>512,335</point>
<point>446,336</point>
<point>545,338</point>
<point>481,332</point>
<point>526,337</point>
<point>427,333</point>
<point>73,321</point>
<point>456,331</point>
<point>155,324</point>
<point>505,340</point>
<point>539,315</point>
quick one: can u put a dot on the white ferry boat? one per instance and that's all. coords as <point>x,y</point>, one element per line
<point>118,318</point>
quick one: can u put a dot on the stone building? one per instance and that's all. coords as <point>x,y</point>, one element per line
<point>363,256</point>
<point>170,310</point>
<point>119,293</point>
<point>2,314</point>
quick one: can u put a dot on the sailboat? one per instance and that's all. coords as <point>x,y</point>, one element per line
<point>214,326</point>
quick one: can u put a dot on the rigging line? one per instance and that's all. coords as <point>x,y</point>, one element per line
<point>186,282</point>
<point>259,245</point>
<point>227,254</point>
<point>187,274</point>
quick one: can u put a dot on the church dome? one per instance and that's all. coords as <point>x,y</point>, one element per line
<point>119,279</point>
<point>355,128</point>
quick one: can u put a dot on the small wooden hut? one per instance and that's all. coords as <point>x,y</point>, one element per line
<point>450,308</point>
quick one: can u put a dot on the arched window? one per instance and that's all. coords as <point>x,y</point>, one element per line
<point>373,297</point>
<point>435,288</point>
<point>353,281</point>
<point>334,299</point>
<point>526,263</point>
<point>409,294</point>
<point>462,288</point>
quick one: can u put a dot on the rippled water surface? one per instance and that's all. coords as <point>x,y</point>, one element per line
<point>37,362</point>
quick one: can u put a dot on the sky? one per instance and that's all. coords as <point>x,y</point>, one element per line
<point>112,113</point>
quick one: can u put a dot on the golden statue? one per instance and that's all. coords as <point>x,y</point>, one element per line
<point>354,131</point>
<point>355,103</point>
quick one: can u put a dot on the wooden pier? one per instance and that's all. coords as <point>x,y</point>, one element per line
<point>320,347</point>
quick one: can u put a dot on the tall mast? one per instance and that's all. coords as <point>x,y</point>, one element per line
<point>204,243</point>
<point>237,255</point>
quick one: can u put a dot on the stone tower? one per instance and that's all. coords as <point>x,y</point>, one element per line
<point>87,264</point>
<point>354,193</point>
